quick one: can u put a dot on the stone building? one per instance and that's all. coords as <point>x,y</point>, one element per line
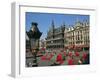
<point>42,44</point>
<point>55,37</point>
<point>77,36</point>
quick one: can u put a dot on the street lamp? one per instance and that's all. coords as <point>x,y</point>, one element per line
<point>34,35</point>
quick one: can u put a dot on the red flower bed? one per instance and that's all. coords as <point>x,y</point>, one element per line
<point>47,57</point>
<point>64,53</point>
<point>76,54</point>
<point>43,58</point>
<point>59,59</point>
<point>70,54</point>
<point>70,62</point>
<point>43,49</point>
<point>84,55</point>
<point>50,56</point>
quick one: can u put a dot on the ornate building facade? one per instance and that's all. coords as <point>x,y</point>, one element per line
<point>77,36</point>
<point>55,37</point>
<point>42,44</point>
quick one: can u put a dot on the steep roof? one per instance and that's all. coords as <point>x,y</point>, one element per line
<point>26,36</point>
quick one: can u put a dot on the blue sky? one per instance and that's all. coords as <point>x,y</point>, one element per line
<point>44,20</point>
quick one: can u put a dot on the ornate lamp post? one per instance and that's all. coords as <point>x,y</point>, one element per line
<point>34,36</point>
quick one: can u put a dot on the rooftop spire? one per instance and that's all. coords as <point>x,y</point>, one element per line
<point>64,23</point>
<point>53,24</point>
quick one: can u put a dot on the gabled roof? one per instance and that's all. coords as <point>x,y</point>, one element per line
<point>26,36</point>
